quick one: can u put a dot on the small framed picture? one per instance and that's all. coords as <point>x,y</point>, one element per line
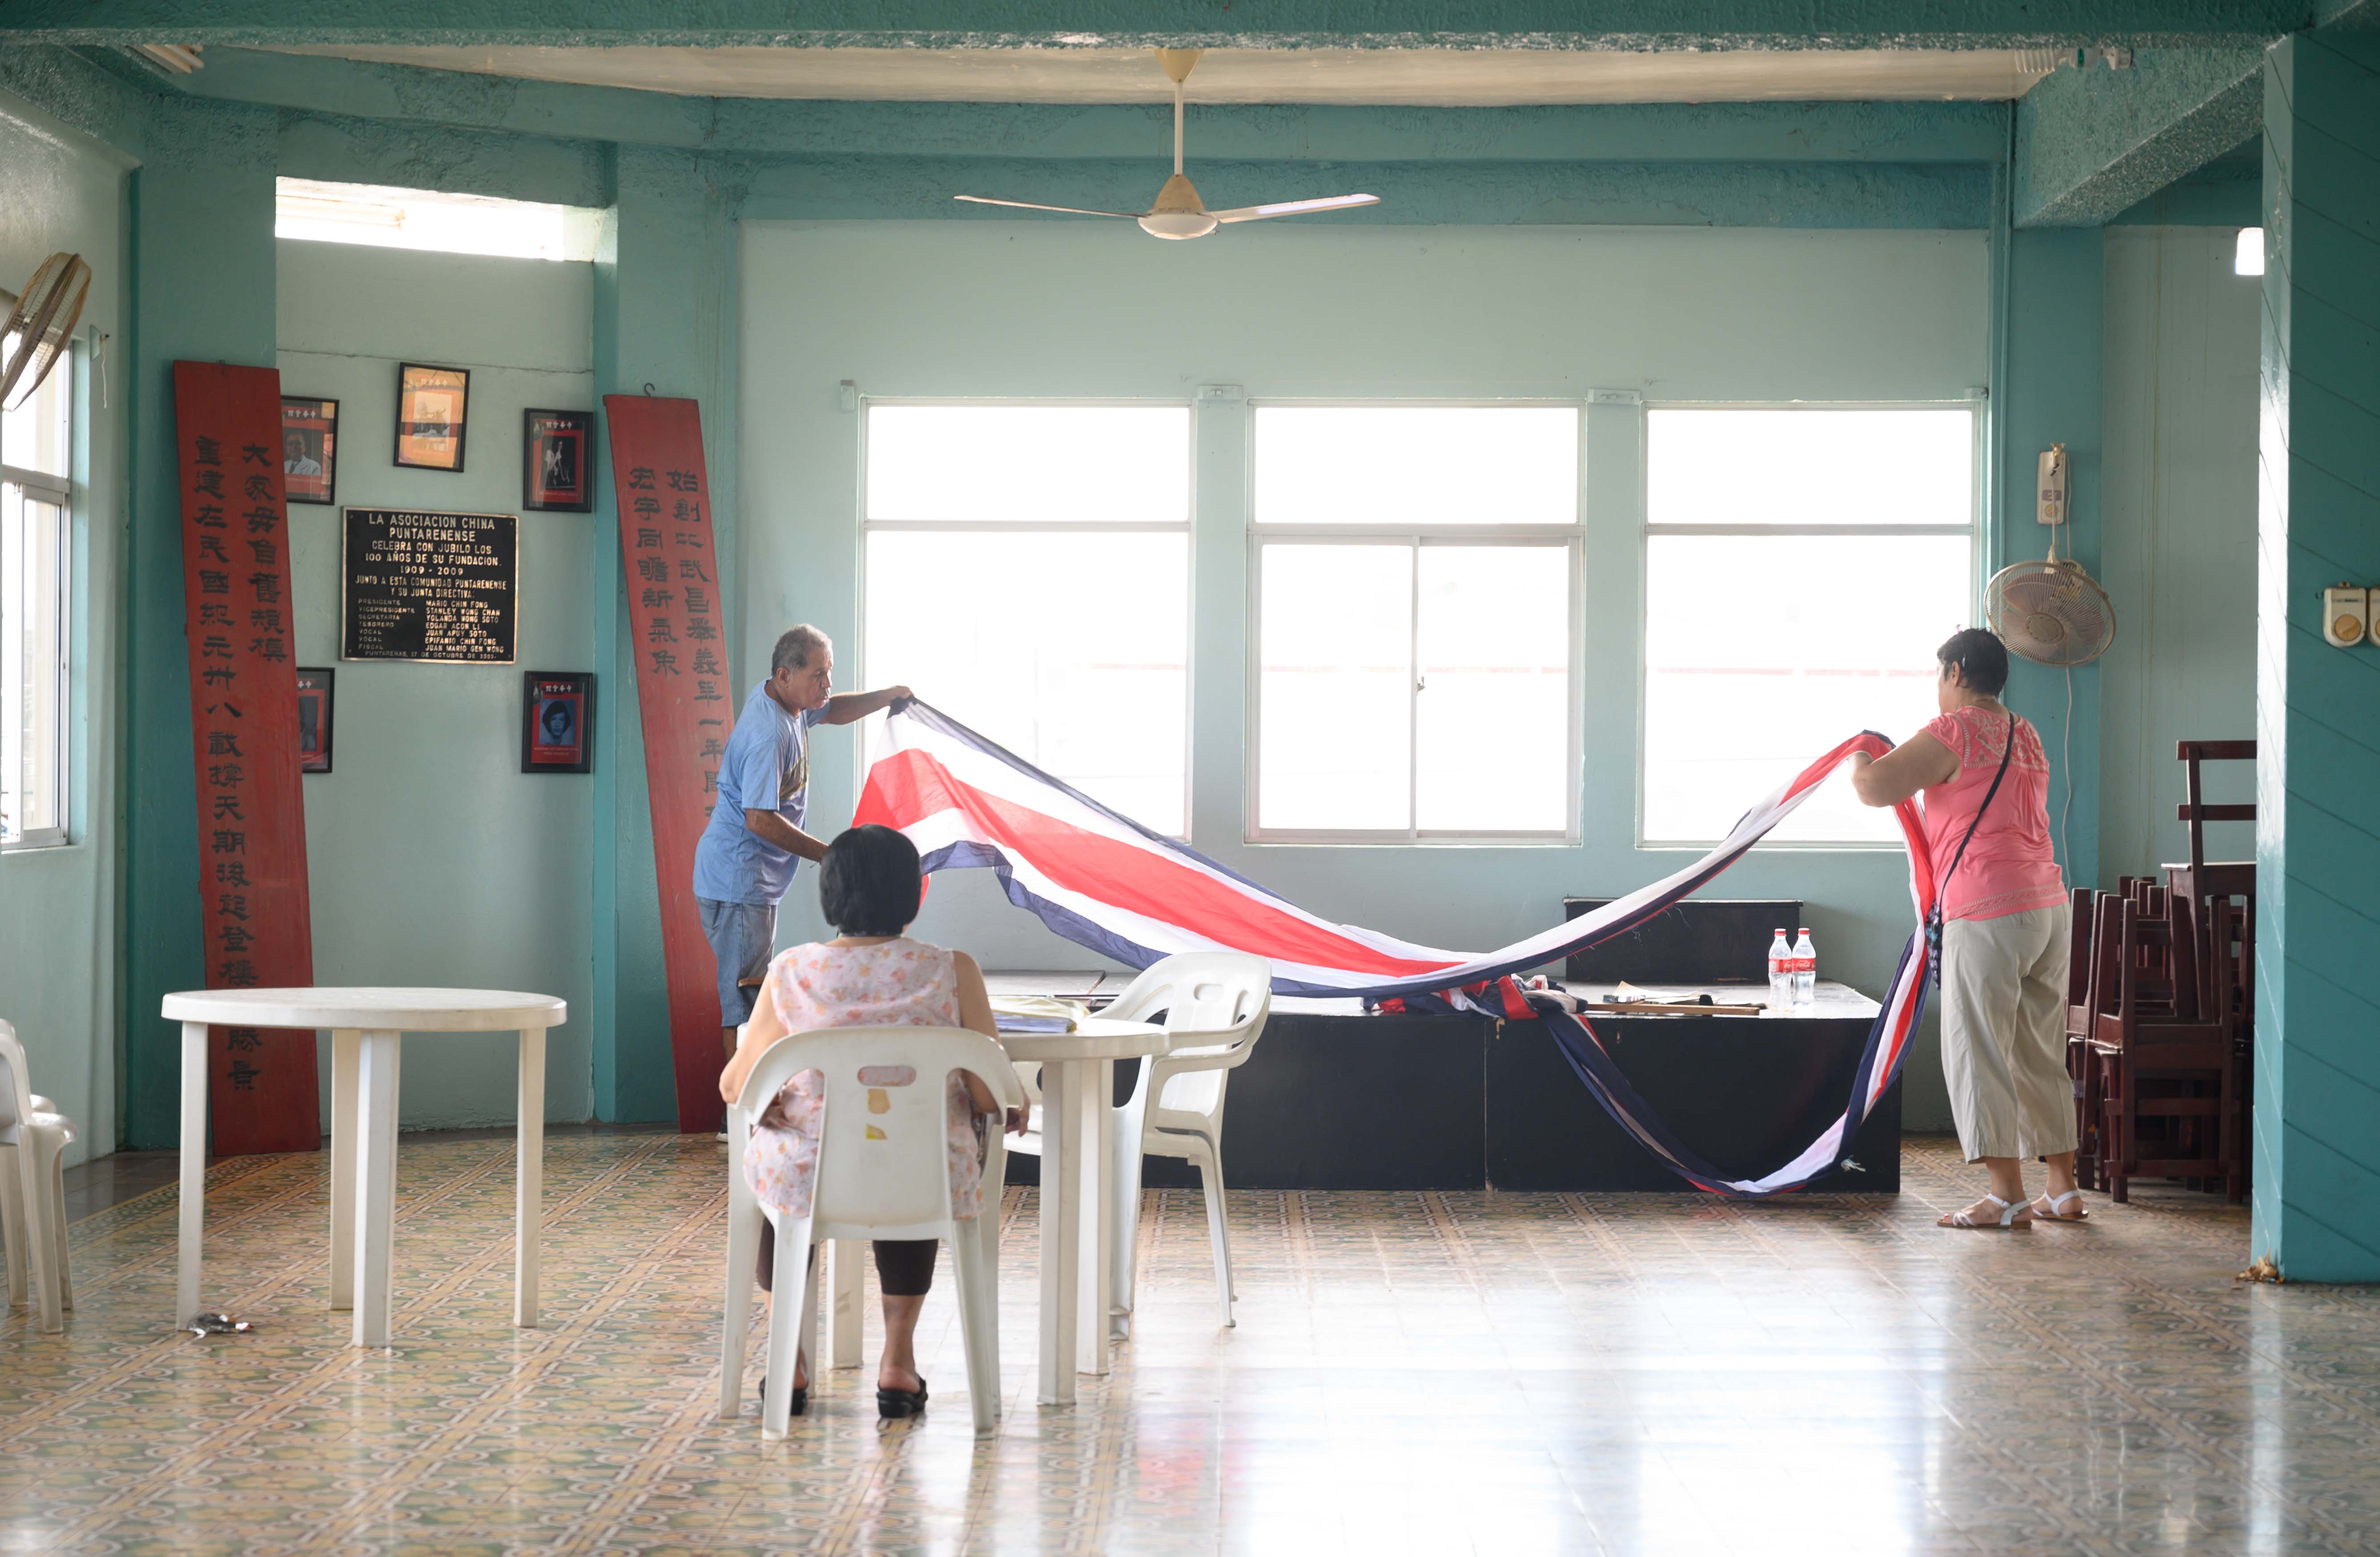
<point>313,720</point>
<point>554,470</point>
<point>309,437</point>
<point>557,722</point>
<point>430,403</point>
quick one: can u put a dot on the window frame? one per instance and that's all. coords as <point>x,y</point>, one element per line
<point>58,490</point>
<point>866,404</point>
<point>1977,407</point>
<point>1572,536</point>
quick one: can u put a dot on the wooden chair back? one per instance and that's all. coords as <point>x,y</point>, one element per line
<point>2193,808</point>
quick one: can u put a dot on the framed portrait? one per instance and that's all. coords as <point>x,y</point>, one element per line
<point>430,403</point>
<point>309,452</point>
<point>554,461</point>
<point>557,722</point>
<point>313,720</point>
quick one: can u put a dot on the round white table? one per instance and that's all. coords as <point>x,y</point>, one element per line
<point>1077,1184</point>
<point>365,1026</point>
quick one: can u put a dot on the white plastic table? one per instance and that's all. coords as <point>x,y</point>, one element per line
<point>365,1027</point>
<point>1077,1142</point>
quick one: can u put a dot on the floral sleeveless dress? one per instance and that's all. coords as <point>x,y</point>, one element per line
<point>900,983</point>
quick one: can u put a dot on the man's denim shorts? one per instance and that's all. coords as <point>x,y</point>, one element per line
<point>740,935</point>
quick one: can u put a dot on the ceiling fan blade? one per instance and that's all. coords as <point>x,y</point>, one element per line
<point>1069,210</point>
<point>1295,207</point>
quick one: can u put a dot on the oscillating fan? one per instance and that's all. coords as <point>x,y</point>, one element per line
<point>39,325</point>
<point>1179,213</point>
<point>2051,612</point>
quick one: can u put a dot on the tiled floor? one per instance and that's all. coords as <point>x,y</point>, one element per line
<point>1425,1373</point>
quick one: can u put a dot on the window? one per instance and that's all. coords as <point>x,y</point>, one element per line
<point>1029,572</point>
<point>36,570</point>
<point>385,217</point>
<point>1801,566</point>
<point>1414,574</point>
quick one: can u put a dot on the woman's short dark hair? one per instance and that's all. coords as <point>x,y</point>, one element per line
<point>869,883</point>
<point>1981,657</point>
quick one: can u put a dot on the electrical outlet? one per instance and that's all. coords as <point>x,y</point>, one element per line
<point>2346,616</point>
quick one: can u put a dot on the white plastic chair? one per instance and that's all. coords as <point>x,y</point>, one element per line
<point>33,1137</point>
<point>884,1172</point>
<point>1215,1005</point>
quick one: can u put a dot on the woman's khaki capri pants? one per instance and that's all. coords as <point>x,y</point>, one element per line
<point>2004,1033</point>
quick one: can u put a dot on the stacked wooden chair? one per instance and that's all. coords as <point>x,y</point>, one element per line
<point>2160,1011</point>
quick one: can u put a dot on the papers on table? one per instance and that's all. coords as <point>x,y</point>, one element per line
<point>1036,1014</point>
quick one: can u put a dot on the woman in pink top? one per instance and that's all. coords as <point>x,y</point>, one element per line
<point>870,975</point>
<point>2004,930</point>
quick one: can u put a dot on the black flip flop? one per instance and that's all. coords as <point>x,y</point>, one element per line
<point>801,1397</point>
<point>891,1404</point>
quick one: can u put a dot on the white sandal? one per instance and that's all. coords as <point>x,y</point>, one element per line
<point>2082,1213</point>
<point>2013,1215</point>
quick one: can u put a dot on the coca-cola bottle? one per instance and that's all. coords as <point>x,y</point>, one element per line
<point>1780,973</point>
<point>1806,971</point>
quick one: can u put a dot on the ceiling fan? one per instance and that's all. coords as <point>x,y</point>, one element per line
<point>1179,213</point>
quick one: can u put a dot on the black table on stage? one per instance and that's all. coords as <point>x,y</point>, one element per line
<point>1335,1098</point>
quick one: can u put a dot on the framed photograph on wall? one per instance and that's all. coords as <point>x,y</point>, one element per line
<point>315,720</point>
<point>430,405</point>
<point>309,452</point>
<point>557,722</point>
<point>554,469</point>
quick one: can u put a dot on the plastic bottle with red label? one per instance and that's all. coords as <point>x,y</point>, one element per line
<point>1806,971</point>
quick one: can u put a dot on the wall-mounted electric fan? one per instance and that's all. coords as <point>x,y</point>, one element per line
<point>40,325</point>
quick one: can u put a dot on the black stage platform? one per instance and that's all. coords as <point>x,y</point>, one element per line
<point>1333,1099</point>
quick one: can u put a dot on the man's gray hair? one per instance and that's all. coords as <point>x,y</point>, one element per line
<point>794,650</point>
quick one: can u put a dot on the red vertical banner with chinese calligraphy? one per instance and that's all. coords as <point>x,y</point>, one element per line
<point>252,899</point>
<point>682,698</point>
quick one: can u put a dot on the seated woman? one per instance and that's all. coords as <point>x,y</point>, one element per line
<point>869,976</point>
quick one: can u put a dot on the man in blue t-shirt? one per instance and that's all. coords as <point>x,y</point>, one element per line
<point>747,857</point>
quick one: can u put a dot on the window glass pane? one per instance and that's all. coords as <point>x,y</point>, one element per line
<point>1036,464</point>
<point>1417,464</point>
<point>387,217</point>
<point>1334,711</point>
<point>33,436</point>
<point>1493,714</point>
<point>1810,466</point>
<point>1071,650</point>
<point>1763,651</point>
<point>32,644</point>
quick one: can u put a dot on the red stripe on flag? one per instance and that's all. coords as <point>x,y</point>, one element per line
<point>909,786</point>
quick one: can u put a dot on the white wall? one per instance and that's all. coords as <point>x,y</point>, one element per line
<point>57,907</point>
<point>2181,536</point>
<point>434,859</point>
<point>1097,310</point>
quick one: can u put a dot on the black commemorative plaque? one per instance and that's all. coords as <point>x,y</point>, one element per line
<point>442,587</point>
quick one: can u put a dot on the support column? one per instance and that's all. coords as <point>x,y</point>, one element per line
<point>2051,394</point>
<point>203,269</point>
<point>2317,1096</point>
<point>666,315</point>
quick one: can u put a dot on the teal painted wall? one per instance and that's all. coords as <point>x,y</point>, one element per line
<point>2179,545</point>
<point>2317,1139</point>
<point>60,189</point>
<point>2051,393</point>
<point>433,858</point>
<point>203,289</point>
<point>1070,309</point>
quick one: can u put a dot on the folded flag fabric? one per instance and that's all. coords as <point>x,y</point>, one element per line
<point>1105,882</point>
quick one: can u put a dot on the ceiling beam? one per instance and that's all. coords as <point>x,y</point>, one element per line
<point>1551,24</point>
<point>2092,143</point>
<point>1904,133</point>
